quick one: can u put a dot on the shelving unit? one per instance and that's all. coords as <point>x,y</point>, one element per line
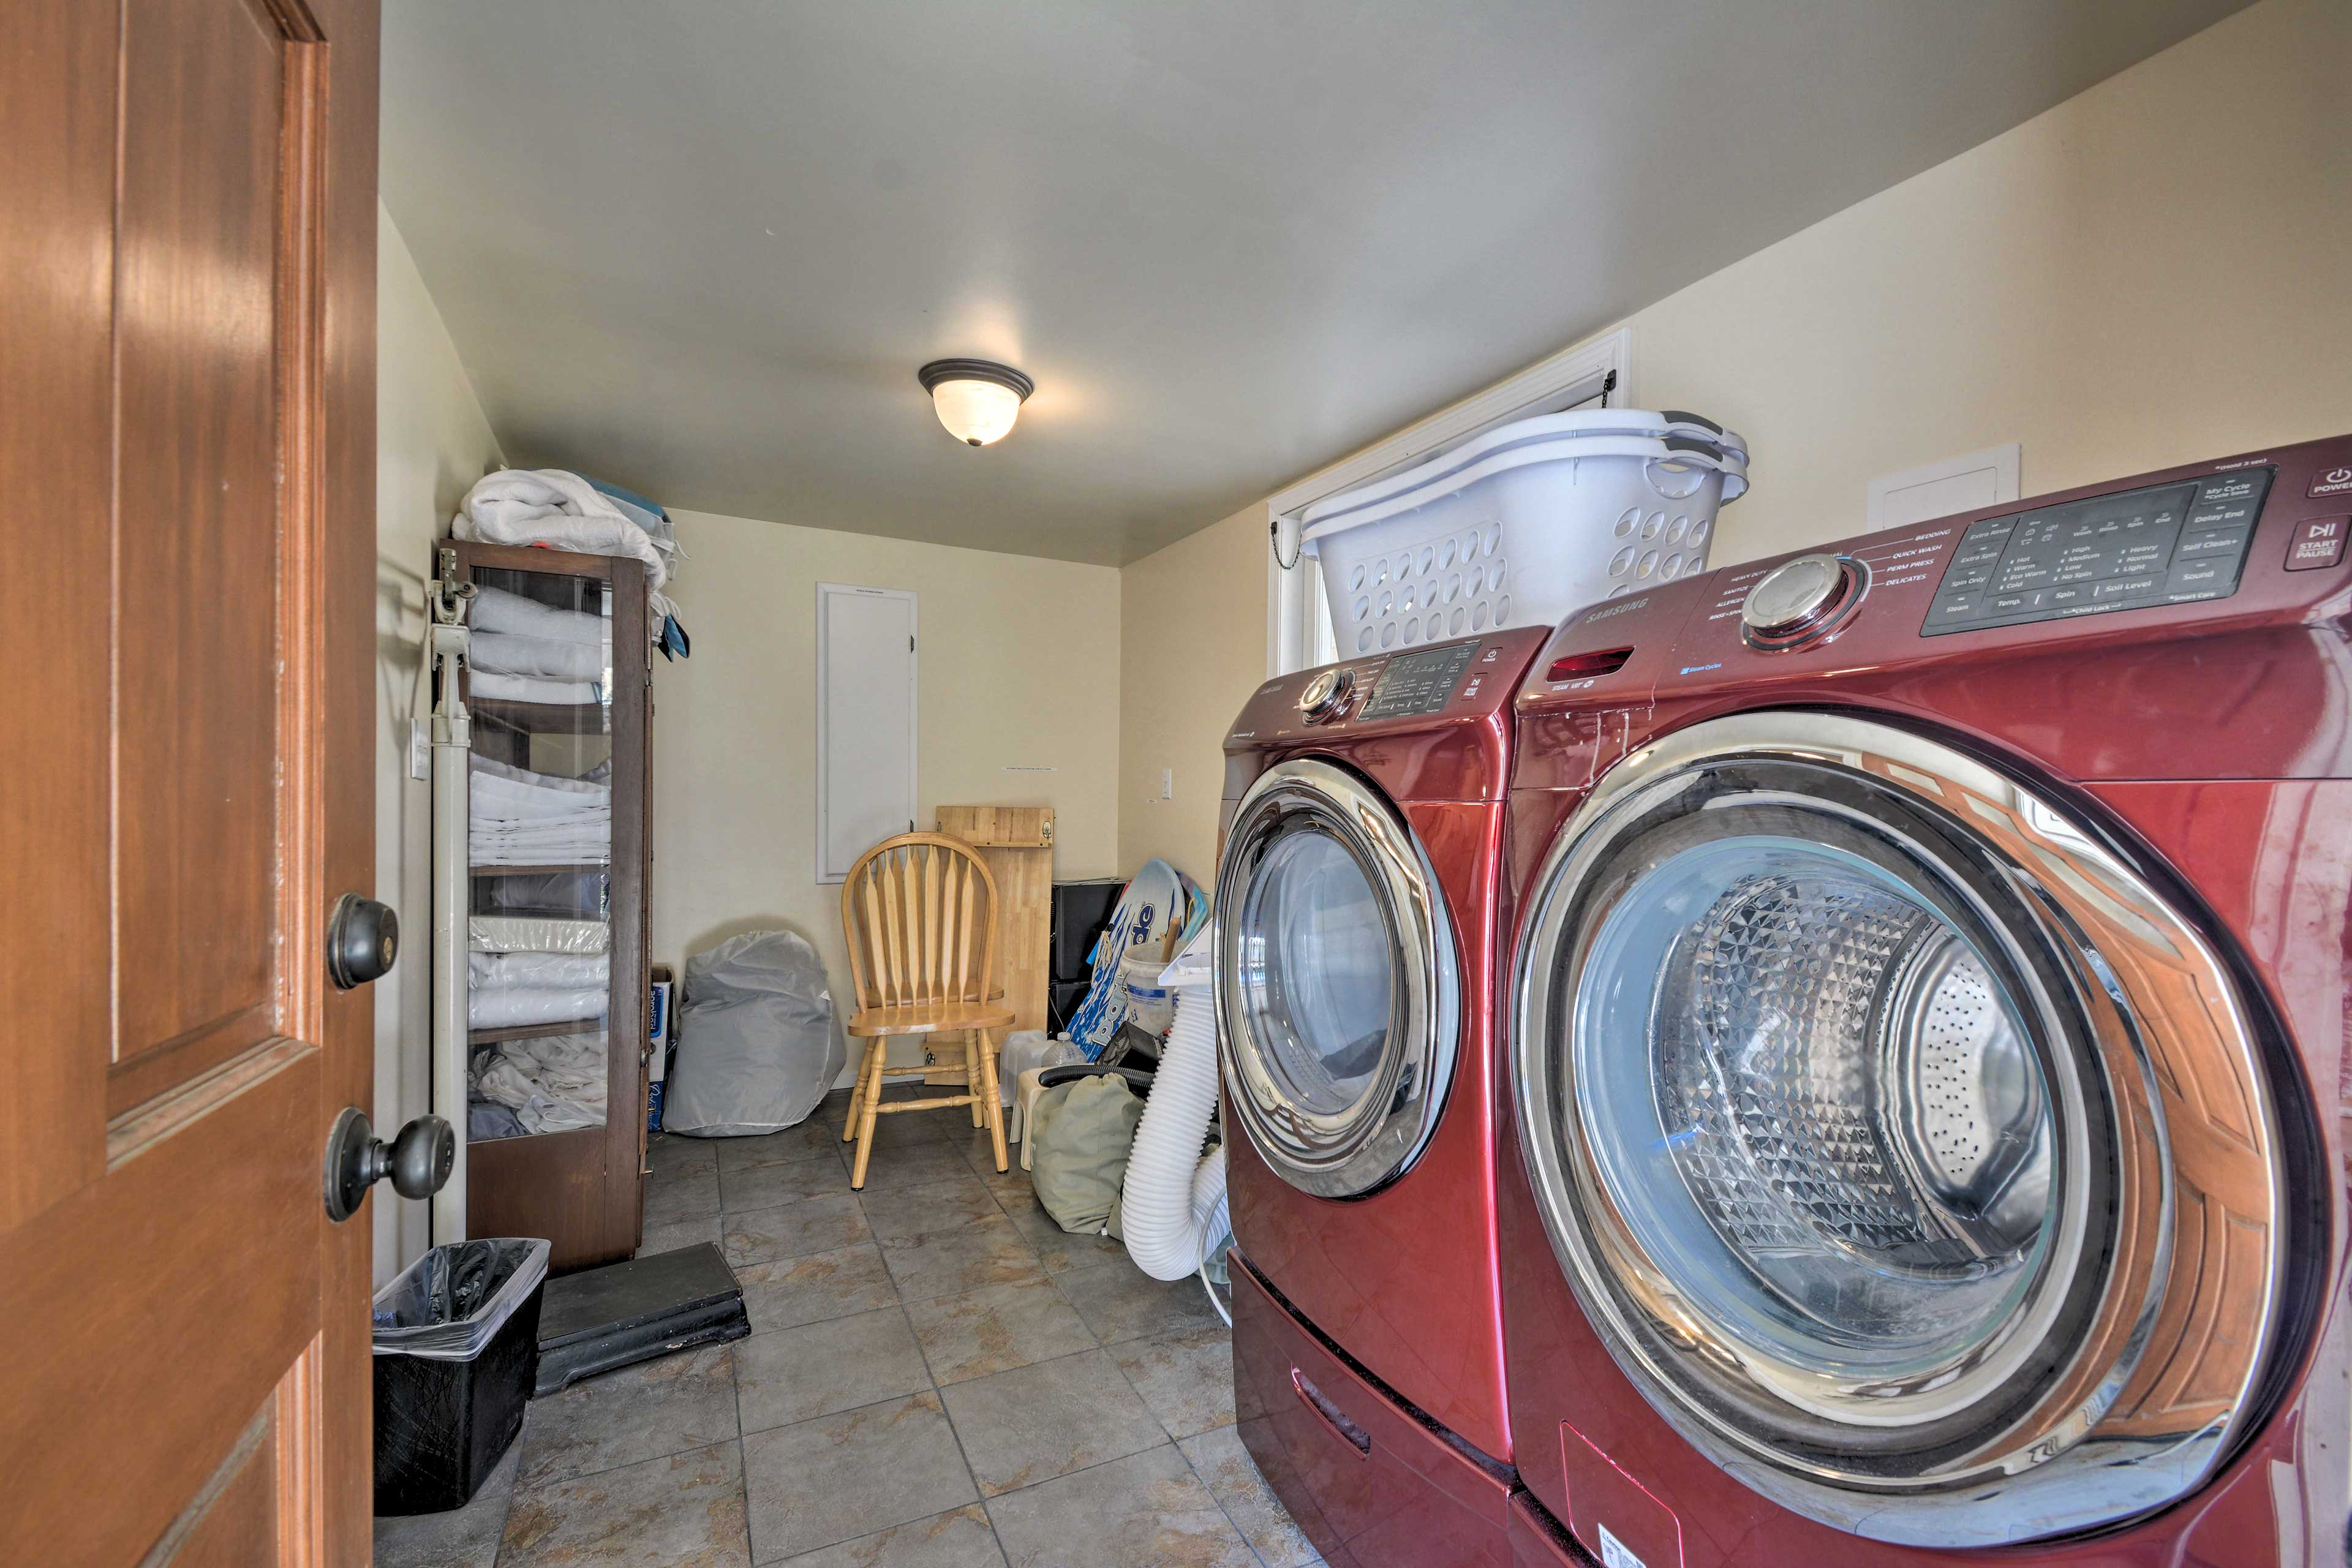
<point>580,1187</point>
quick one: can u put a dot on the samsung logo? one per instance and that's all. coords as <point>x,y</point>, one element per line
<point>1615,610</point>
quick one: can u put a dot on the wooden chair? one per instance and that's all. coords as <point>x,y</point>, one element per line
<point>918,912</point>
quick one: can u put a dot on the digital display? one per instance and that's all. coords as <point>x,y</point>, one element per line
<point>1417,683</point>
<point>2166,544</point>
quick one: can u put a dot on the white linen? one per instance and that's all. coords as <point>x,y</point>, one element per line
<point>552,505</point>
<point>517,818</point>
<point>532,933</point>
<point>553,1083</point>
<point>496,610</point>
<point>564,971</point>
<point>549,658</point>
<point>510,1006</point>
<point>497,686</point>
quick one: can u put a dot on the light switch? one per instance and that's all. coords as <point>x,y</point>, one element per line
<point>1167,783</point>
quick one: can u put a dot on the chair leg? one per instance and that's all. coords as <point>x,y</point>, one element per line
<point>857,1102</point>
<point>972,1045</point>
<point>875,1053</point>
<point>987,1052</point>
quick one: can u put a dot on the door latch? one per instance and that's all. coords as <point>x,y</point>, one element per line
<point>363,942</point>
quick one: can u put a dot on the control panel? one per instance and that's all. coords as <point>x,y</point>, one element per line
<point>2161,544</point>
<point>1388,693</point>
<point>1419,683</point>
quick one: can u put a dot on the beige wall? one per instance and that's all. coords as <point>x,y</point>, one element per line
<point>432,444</point>
<point>2150,273</point>
<point>1192,644</point>
<point>2155,271</point>
<point>1017,667</point>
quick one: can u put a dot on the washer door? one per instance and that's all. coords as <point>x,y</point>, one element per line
<point>1337,997</point>
<point>1910,1151</point>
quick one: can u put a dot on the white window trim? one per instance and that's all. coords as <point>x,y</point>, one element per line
<point>1290,621</point>
<point>825,594</point>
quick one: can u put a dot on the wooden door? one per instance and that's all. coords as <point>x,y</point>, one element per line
<point>186,496</point>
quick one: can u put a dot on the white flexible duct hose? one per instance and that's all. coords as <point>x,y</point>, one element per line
<point>1172,1208</point>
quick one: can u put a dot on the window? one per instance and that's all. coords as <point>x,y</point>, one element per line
<point>865,722</point>
<point>1298,620</point>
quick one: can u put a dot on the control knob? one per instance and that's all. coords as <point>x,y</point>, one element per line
<point>1801,600</point>
<point>1325,694</point>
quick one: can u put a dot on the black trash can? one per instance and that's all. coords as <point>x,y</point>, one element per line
<point>457,1353</point>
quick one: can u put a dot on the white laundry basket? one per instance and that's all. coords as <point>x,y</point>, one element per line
<point>1522,525</point>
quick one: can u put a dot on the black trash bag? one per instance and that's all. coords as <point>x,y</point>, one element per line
<point>457,1355</point>
<point>447,1304</point>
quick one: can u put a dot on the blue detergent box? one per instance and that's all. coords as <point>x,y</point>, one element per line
<point>657,1063</point>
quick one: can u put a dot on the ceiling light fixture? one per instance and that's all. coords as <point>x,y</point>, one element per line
<point>976,399</point>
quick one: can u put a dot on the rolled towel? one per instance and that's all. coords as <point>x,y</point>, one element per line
<point>496,610</point>
<point>547,658</point>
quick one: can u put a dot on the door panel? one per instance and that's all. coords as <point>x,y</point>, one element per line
<point>197,329</point>
<point>187,279</point>
<point>198,516</point>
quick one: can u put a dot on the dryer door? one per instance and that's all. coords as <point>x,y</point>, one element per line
<point>1912,1152</point>
<point>1337,996</point>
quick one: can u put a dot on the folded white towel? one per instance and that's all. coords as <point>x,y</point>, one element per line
<point>496,610</point>
<point>565,971</point>
<point>507,1008</point>
<point>581,847</point>
<point>513,786</point>
<point>518,817</point>
<point>552,658</point>
<point>497,686</point>
<point>532,933</point>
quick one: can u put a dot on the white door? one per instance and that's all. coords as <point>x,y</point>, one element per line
<point>865,722</point>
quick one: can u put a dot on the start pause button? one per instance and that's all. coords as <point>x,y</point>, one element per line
<point>2317,543</point>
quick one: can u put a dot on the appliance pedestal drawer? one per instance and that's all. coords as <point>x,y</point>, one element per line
<point>1368,1481</point>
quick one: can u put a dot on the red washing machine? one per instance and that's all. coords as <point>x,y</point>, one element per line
<point>1927,1020</point>
<point>1355,903</point>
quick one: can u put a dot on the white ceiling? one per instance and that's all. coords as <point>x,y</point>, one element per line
<point>699,247</point>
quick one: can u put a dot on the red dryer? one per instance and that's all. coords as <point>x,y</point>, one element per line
<point>1927,1020</point>
<point>1355,902</point>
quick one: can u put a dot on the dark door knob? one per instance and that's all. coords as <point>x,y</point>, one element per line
<point>418,1160</point>
<point>363,942</point>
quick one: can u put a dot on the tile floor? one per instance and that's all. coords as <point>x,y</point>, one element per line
<point>938,1376</point>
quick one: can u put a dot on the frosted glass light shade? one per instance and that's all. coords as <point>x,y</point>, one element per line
<point>976,399</point>
<point>976,412</point>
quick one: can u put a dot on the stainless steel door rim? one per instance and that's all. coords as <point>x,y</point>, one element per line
<point>1334,1133</point>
